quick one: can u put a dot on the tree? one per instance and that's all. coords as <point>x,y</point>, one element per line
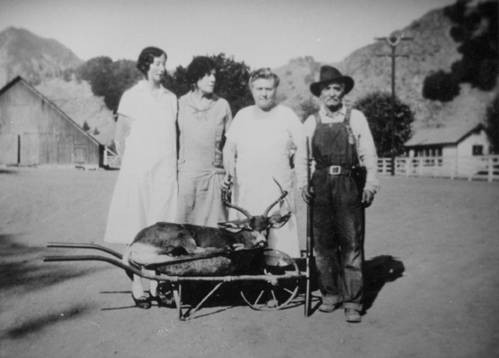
<point>109,79</point>
<point>492,118</point>
<point>308,107</point>
<point>232,81</point>
<point>388,131</point>
<point>440,86</point>
<point>475,28</point>
<point>85,126</point>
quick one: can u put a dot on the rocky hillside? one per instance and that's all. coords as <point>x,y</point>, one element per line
<point>77,100</point>
<point>431,49</point>
<point>33,57</point>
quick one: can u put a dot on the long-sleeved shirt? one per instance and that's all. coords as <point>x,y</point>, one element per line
<point>366,149</point>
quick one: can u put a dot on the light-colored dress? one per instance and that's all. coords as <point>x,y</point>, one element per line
<point>201,172</point>
<point>264,142</point>
<point>146,189</point>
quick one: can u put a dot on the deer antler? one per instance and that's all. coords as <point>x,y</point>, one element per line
<point>235,207</point>
<point>283,195</point>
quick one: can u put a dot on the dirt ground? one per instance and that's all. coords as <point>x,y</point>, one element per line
<point>432,254</point>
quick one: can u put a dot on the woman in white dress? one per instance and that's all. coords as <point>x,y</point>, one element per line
<point>146,189</point>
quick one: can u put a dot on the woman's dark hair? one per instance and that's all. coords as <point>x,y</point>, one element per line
<point>199,67</point>
<point>147,56</point>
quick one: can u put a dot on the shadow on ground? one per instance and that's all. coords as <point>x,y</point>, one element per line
<point>377,272</point>
<point>35,324</point>
<point>23,269</point>
<point>7,171</point>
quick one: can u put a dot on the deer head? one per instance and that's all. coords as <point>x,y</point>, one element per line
<point>260,224</point>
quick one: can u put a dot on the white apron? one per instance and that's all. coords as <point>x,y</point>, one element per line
<point>263,142</point>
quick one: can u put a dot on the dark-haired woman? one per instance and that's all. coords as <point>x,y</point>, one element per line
<point>146,189</point>
<point>203,121</point>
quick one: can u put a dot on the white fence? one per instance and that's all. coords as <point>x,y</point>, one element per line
<point>111,159</point>
<point>484,167</point>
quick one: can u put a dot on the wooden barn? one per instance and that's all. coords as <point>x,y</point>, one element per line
<point>34,131</point>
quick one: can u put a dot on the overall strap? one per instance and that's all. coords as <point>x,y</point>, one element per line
<point>351,137</point>
<point>346,122</point>
<point>317,118</point>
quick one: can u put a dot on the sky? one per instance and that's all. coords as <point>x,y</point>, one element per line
<point>262,33</point>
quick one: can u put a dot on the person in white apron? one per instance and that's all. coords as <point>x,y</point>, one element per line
<point>146,188</point>
<point>260,143</point>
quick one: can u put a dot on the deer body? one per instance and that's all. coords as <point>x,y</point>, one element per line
<point>163,241</point>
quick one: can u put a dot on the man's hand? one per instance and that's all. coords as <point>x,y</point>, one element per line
<point>307,194</point>
<point>227,184</point>
<point>226,188</point>
<point>367,198</point>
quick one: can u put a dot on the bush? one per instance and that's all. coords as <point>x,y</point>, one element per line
<point>492,119</point>
<point>232,81</point>
<point>390,132</point>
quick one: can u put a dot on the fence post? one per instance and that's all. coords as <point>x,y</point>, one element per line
<point>104,160</point>
<point>490,166</point>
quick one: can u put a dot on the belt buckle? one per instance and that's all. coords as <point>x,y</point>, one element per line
<point>334,170</point>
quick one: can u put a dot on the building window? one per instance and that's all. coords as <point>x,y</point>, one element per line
<point>477,150</point>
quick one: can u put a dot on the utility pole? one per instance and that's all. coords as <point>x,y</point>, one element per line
<point>393,41</point>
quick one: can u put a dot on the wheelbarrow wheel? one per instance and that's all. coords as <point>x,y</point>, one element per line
<point>280,289</point>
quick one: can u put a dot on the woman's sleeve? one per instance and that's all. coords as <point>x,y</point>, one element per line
<point>123,123</point>
<point>299,141</point>
<point>228,117</point>
<point>127,106</point>
<point>230,146</point>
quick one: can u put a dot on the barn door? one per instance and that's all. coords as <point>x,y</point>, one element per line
<point>47,148</point>
<point>8,148</point>
<point>80,154</point>
<point>64,149</point>
<point>30,149</point>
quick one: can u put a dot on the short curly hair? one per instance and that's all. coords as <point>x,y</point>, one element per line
<point>265,73</point>
<point>199,67</point>
<point>147,56</point>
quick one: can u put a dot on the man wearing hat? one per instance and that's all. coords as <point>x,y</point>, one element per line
<point>343,185</point>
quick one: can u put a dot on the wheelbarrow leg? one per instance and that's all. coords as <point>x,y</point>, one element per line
<point>177,296</point>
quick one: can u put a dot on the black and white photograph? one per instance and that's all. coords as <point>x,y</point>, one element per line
<point>232,178</point>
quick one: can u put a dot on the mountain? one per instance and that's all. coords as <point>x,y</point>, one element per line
<point>32,57</point>
<point>431,49</point>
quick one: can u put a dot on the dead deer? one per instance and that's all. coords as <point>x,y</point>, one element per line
<point>163,242</point>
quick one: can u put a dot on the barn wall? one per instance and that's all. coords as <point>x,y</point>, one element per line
<point>45,136</point>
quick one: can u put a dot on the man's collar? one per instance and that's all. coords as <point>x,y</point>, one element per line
<point>324,111</point>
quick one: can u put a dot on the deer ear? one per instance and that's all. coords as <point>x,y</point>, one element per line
<point>277,220</point>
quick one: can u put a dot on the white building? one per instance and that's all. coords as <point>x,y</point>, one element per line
<point>458,147</point>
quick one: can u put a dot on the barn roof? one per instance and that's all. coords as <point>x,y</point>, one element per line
<point>49,102</point>
<point>442,135</point>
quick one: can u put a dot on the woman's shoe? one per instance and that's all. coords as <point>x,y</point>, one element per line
<point>142,302</point>
<point>164,299</point>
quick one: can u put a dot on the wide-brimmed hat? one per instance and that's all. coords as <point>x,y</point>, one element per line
<point>329,74</point>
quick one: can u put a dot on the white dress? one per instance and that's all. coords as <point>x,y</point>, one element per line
<point>264,142</point>
<point>146,189</point>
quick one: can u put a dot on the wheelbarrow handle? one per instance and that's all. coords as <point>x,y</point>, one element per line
<point>85,246</point>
